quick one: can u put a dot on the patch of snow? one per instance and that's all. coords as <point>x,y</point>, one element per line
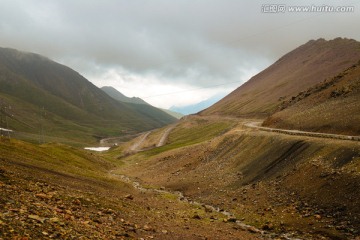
<point>97,149</point>
<point>5,130</point>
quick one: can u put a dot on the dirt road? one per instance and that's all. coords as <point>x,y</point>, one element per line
<point>256,125</point>
<point>137,144</point>
<point>165,136</point>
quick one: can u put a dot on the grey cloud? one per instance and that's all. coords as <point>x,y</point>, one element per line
<point>198,42</point>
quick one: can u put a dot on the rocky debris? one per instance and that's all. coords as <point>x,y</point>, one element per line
<point>129,196</point>
<point>248,228</point>
<point>268,227</point>
<point>209,208</point>
<point>148,228</point>
<point>33,210</point>
<point>230,219</point>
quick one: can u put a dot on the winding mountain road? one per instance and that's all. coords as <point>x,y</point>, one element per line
<point>165,136</point>
<point>137,144</point>
<point>256,125</point>
<point>162,140</point>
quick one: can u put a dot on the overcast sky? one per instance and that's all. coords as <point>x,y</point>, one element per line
<point>168,52</point>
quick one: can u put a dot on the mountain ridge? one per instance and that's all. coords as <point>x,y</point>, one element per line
<point>40,83</point>
<point>334,101</point>
<point>112,92</point>
<point>297,70</point>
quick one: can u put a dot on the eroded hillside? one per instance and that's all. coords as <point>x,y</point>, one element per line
<point>296,71</point>
<point>305,186</point>
<point>330,106</point>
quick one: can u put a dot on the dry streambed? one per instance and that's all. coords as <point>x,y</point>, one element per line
<point>228,216</point>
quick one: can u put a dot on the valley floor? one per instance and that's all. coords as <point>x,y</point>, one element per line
<point>304,186</point>
<point>210,178</point>
<point>49,201</point>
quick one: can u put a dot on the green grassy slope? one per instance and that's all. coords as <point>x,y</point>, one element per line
<point>156,116</point>
<point>31,84</point>
<point>112,92</point>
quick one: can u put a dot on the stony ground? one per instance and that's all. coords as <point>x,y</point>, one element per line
<point>295,186</point>
<point>236,183</point>
<point>43,204</point>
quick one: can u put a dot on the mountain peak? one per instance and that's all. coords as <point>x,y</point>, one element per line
<point>297,70</point>
<point>22,55</point>
<point>112,92</point>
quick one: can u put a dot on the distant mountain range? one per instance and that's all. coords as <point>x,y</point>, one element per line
<point>112,92</point>
<point>195,108</point>
<point>38,91</point>
<point>313,87</point>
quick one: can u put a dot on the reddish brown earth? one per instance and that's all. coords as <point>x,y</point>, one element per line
<point>47,201</point>
<point>330,106</point>
<point>308,187</point>
<point>296,71</point>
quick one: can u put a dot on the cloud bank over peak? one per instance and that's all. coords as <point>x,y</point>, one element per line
<point>145,48</point>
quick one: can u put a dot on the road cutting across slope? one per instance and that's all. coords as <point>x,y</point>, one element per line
<point>165,136</point>
<point>257,126</point>
<point>137,144</point>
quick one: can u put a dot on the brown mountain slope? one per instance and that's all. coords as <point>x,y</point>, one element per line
<point>331,106</point>
<point>296,71</point>
<point>277,182</point>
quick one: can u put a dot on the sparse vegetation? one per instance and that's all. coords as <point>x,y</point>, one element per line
<point>330,106</point>
<point>193,131</point>
<point>215,178</point>
<point>56,191</point>
<point>293,73</point>
<point>274,182</point>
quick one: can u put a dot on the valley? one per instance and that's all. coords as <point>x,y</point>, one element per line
<point>278,158</point>
<point>268,180</point>
<point>232,181</point>
<point>85,199</point>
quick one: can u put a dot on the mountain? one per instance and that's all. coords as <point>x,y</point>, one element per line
<point>40,92</point>
<point>176,115</point>
<point>296,71</point>
<point>330,106</point>
<point>140,104</point>
<point>112,92</point>
<point>195,108</point>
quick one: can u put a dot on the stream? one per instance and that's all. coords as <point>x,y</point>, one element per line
<point>182,198</point>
